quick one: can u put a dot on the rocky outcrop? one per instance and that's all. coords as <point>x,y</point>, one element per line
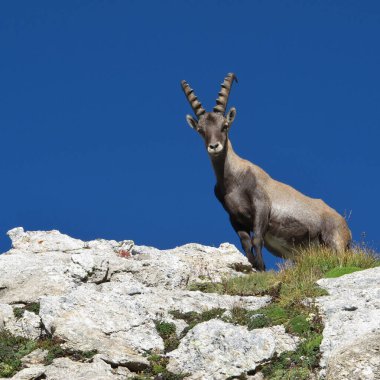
<point>351,312</point>
<point>225,350</point>
<point>108,297</point>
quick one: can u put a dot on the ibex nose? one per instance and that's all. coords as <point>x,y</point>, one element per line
<point>213,146</point>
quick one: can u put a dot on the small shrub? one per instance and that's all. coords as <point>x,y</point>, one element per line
<point>55,350</point>
<point>33,307</point>
<point>298,325</point>
<point>289,287</point>
<point>192,318</point>
<point>167,332</point>
<point>18,312</point>
<point>12,349</point>
<point>157,370</point>
<point>298,364</point>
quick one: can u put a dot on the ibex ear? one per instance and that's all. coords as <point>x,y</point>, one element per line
<point>192,122</point>
<point>231,115</point>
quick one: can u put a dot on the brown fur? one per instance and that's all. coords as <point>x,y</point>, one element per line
<point>264,211</point>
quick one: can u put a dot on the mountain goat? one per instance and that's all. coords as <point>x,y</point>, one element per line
<point>262,211</point>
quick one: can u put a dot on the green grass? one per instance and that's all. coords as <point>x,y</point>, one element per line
<point>157,370</point>
<point>55,350</point>
<point>312,263</point>
<point>289,287</point>
<point>192,318</point>
<point>167,332</point>
<point>13,348</point>
<point>296,281</point>
<point>258,284</point>
<point>270,315</point>
<point>33,307</point>
<point>340,271</point>
<point>303,321</point>
<point>298,364</point>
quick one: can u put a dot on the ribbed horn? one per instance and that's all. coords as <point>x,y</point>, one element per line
<point>221,102</point>
<point>193,100</point>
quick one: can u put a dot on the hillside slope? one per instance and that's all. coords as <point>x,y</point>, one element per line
<point>114,310</point>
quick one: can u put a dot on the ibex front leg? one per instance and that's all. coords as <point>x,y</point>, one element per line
<point>246,242</point>
<point>260,226</point>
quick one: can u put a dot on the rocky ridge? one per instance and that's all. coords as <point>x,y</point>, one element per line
<point>107,297</point>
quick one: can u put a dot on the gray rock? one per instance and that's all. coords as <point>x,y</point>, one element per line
<point>351,312</point>
<point>64,368</point>
<point>24,276</point>
<point>28,326</point>
<point>216,350</point>
<point>42,241</point>
<point>357,361</point>
<point>119,324</point>
<point>178,267</point>
<point>6,315</point>
<point>30,373</point>
<point>107,295</point>
<point>35,357</point>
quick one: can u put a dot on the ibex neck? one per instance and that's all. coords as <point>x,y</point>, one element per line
<point>226,167</point>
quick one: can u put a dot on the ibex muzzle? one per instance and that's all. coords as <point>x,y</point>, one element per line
<point>262,210</point>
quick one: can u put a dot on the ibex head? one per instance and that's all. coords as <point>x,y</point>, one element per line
<point>212,126</point>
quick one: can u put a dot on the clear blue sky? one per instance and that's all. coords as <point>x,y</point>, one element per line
<point>94,140</point>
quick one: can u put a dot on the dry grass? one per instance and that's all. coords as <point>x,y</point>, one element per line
<point>295,281</point>
<point>312,263</point>
<point>289,287</point>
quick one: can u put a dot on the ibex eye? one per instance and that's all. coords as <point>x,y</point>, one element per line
<point>225,126</point>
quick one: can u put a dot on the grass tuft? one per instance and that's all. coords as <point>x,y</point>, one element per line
<point>290,287</point>
<point>157,370</point>
<point>340,271</point>
<point>192,318</point>
<point>12,349</point>
<point>33,307</point>
<point>167,332</point>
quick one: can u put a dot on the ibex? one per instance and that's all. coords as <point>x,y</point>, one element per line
<point>262,210</point>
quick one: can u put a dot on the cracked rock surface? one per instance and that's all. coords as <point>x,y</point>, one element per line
<point>351,337</point>
<point>107,296</point>
<point>218,350</point>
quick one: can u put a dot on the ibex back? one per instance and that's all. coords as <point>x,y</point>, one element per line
<point>262,210</point>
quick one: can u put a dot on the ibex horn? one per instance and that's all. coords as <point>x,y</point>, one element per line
<point>222,100</point>
<point>193,100</point>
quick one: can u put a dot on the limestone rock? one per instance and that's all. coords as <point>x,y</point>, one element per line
<point>28,326</point>
<point>64,368</point>
<point>42,241</point>
<point>24,277</point>
<point>119,323</point>
<point>351,313</point>
<point>216,350</point>
<point>357,361</point>
<point>178,267</point>
<point>107,296</point>
<point>30,373</point>
<point>35,357</point>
